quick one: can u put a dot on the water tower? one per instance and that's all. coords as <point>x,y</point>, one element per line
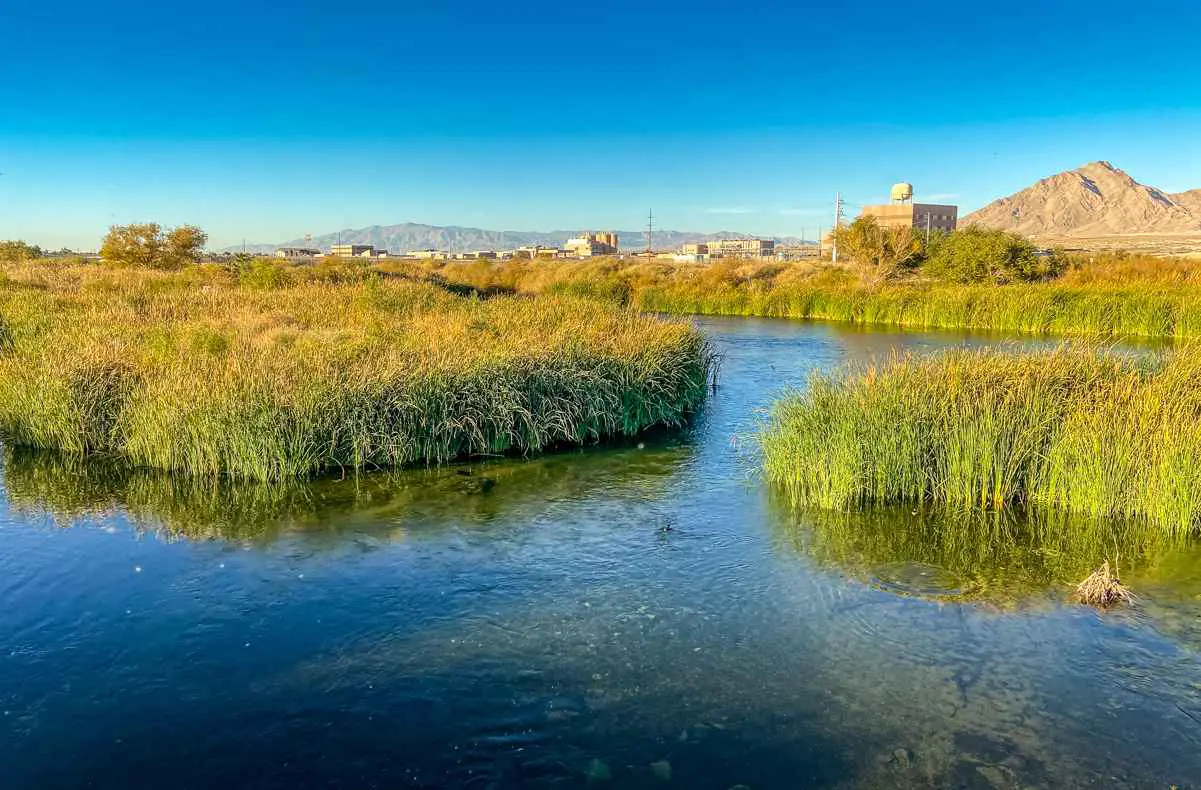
<point>902,193</point>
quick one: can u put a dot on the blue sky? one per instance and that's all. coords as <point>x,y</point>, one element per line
<point>264,122</point>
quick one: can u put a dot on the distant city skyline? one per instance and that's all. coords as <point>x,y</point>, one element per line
<point>264,126</point>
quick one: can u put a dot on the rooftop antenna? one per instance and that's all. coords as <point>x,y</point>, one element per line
<point>650,229</point>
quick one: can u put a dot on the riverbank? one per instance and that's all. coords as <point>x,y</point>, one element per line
<point>1037,309</point>
<point>1110,297</point>
<point>206,371</point>
<point>1072,430</point>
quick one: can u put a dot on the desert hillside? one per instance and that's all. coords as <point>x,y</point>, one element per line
<point>1095,200</point>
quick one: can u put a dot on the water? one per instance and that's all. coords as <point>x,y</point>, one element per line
<point>632,616</point>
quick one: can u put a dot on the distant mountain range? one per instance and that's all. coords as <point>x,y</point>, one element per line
<point>1097,199</point>
<point>411,236</point>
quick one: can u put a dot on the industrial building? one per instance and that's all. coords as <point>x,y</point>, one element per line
<point>353,251</point>
<point>538,251</point>
<point>740,248</point>
<point>296,252</point>
<point>902,212</point>
<point>591,244</point>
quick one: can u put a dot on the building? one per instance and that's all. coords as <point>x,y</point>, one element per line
<point>430,255</point>
<point>742,248</point>
<point>902,212</point>
<point>296,252</point>
<point>798,252</point>
<point>696,248</point>
<point>593,244</point>
<point>352,250</point>
<point>536,251</point>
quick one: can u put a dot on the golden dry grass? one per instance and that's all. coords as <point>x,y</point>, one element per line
<point>1103,589</point>
<point>208,371</point>
<point>1107,295</point>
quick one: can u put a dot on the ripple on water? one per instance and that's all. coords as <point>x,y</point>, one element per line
<point>919,579</point>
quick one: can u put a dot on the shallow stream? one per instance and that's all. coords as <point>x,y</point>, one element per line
<point>647,615</point>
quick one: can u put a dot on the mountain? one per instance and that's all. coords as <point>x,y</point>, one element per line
<point>410,236</point>
<point>1191,200</point>
<point>1097,199</point>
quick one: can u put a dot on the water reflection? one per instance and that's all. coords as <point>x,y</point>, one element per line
<point>1004,559</point>
<point>72,489</point>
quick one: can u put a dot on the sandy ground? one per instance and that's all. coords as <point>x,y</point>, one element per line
<point>1161,244</point>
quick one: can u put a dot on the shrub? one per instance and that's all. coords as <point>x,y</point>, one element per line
<point>977,255</point>
<point>18,251</point>
<point>148,245</point>
<point>880,254</point>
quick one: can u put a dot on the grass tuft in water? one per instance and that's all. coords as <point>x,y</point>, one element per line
<point>1102,589</point>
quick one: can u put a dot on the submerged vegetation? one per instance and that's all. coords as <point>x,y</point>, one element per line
<point>1074,430</point>
<point>213,370</point>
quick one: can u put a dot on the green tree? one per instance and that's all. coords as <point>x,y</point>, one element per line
<point>148,245</point>
<point>18,251</point>
<point>976,255</point>
<point>879,254</point>
<point>183,245</point>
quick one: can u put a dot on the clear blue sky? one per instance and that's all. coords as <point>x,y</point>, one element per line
<point>267,121</point>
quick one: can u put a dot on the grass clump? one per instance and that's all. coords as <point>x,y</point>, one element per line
<point>197,372</point>
<point>1103,589</point>
<point>1072,430</point>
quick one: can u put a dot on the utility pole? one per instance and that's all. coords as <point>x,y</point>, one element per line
<point>927,229</point>
<point>819,243</point>
<point>650,229</point>
<point>837,225</point>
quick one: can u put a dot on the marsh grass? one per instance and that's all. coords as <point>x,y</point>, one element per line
<point>1101,296</point>
<point>1077,430</point>
<point>202,373</point>
<point>1098,296</point>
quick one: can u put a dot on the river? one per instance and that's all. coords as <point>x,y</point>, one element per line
<point>642,615</point>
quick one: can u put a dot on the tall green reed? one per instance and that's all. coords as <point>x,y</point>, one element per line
<point>1077,430</point>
